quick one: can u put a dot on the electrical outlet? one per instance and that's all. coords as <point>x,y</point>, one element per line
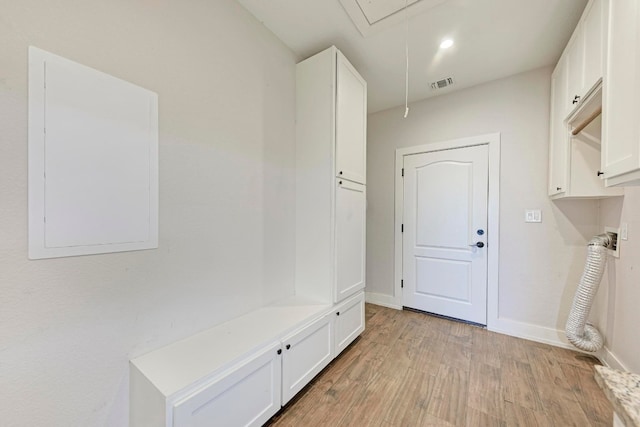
<point>533,215</point>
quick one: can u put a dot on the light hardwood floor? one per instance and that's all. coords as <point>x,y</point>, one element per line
<point>411,369</point>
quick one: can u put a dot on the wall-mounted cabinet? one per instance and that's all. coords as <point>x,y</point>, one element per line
<point>574,167</point>
<point>621,109</point>
<point>576,99</point>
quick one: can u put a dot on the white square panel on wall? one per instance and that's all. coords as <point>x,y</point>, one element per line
<point>93,161</point>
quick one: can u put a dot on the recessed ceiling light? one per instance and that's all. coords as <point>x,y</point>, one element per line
<point>446,44</point>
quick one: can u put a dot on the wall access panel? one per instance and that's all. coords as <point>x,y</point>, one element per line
<point>93,161</point>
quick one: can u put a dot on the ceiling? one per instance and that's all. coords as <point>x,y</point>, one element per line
<point>493,39</point>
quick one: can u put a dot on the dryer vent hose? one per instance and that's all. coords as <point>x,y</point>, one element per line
<point>580,333</point>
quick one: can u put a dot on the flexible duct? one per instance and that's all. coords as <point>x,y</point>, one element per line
<point>580,333</point>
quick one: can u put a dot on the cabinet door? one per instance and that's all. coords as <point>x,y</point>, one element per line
<point>351,122</point>
<point>621,109</point>
<point>246,395</point>
<point>306,352</point>
<point>594,42</point>
<point>575,68</point>
<point>349,322</point>
<point>559,134</point>
<point>350,231</point>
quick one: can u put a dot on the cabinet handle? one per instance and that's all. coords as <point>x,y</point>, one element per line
<point>340,182</point>
<point>576,99</point>
<point>558,188</point>
<point>600,173</point>
<point>338,314</point>
<point>279,351</point>
<point>288,346</point>
<point>340,173</point>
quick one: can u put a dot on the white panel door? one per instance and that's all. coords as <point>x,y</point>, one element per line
<point>306,352</point>
<point>445,233</point>
<point>350,230</point>
<point>248,395</point>
<point>351,122</point>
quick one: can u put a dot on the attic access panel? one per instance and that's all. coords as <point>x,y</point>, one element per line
<point>93,161</point>
<point>371,16</point>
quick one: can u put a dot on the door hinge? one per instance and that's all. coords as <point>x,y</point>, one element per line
<point>402,171</point>
<point>402,283</point>
<point>402,228</point>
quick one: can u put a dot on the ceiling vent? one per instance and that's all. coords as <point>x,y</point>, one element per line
<point>441,84</point>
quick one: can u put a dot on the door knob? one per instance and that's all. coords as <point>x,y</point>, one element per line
<point>479,245</point>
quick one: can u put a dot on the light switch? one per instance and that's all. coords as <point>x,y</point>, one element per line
<point>534,215</point>
<point>624,232</point>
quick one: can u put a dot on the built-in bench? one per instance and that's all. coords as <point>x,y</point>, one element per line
<point>242,371</point>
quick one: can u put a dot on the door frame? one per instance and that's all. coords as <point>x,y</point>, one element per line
<point>493,214</point>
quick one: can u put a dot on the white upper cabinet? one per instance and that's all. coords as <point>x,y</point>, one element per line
<point>594,24</point>
<point>621,108</point>
<point>351,122</point>
<point>558,128</point>
<point>576,98</point>
<point>585,53</point>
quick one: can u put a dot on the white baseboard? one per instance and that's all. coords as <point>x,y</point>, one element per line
<point>531,332</point>
<point>382,299</point>
<point>553,337</point>
<point>610,359</point>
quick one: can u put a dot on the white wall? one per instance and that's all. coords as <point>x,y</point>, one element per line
<point>616,314</point>
<point>227,106</point>
<point>540,264</point>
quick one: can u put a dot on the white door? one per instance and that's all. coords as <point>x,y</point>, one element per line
<point>445,232</point>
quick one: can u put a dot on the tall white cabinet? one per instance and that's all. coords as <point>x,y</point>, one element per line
<point>331,127</point>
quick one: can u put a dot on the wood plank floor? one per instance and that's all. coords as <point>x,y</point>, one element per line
<point>411,369</point>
